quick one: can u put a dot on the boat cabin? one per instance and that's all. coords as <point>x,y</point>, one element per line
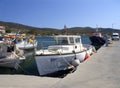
<point>67,40</point>
<point>67,43</point>
<point>64,44</point>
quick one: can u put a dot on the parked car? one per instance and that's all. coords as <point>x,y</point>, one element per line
<point>115,36</point>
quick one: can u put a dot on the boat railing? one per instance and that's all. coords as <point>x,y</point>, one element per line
<point>34,42</point>
<point>11,55</point>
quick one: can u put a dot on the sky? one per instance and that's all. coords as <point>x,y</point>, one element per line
<point>57,13</point>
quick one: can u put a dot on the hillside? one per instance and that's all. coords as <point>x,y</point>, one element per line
<point>14,27</point>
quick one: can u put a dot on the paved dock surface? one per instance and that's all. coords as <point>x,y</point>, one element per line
<point>101,70</point>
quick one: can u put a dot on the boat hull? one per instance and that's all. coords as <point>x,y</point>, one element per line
<point>9,63</point>
<point>52,63</point>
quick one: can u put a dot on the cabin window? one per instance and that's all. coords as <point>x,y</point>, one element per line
<point>77,40</point>
<point>71,40</point>
<point>62,40</point>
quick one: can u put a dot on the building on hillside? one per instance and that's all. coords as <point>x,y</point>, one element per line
<point>2,29</point>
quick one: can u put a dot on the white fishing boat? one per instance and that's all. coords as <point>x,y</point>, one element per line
<point>21,44</point>
<point>9,59</point>
<point>67,53</point>
<point>21,41</point>
<point>24,44</point>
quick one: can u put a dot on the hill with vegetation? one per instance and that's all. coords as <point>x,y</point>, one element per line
<point>15,27</point>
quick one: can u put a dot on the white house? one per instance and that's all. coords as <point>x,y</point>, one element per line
<point>2,29</point>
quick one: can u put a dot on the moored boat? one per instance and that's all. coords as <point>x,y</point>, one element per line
<point>67,53</point>
<point>9,59</point>
<point>20,43</point>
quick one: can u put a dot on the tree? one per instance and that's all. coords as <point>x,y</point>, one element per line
<point>8,31</point>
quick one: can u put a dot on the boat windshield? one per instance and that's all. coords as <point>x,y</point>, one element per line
<point>67,40</point>
<point>71,40</point>
<point>77,40</point>
<point>62,40</point>
<point>115,35</point>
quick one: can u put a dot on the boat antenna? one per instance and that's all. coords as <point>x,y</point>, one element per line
<point>96,28</point>
<point>112,27</point>
<point>66,30</point>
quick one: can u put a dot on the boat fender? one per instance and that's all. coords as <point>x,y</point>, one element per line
<point>94,50</point>
<point>86,56</point>
<point>75,62</point>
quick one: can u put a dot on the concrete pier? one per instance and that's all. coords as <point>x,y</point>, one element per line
<point>101,70</point>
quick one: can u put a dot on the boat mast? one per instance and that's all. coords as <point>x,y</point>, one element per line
<point>96,28</point>
<point>66,31</point>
